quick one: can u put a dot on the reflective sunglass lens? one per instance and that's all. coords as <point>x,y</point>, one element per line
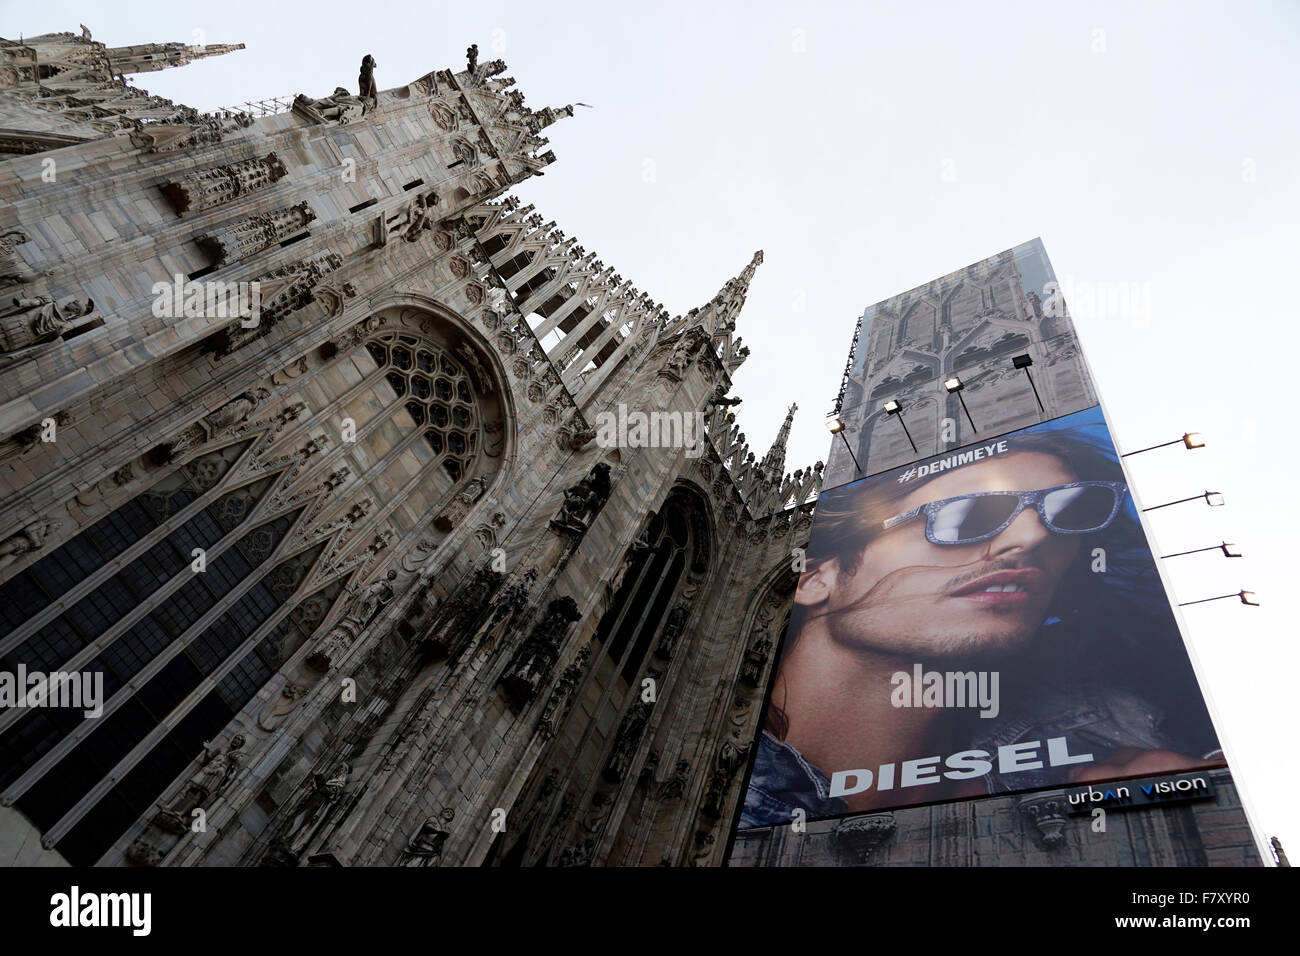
<point>1079,509</point>
<point>969,518</point>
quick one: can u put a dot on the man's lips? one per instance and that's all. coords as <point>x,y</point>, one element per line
<point>1003,588</point>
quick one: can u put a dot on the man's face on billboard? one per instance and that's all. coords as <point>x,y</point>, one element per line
<point>909,596</point>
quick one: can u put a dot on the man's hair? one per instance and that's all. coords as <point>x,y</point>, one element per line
<point>1114,627</point>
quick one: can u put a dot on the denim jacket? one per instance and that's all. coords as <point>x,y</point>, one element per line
<point>1096,720</point>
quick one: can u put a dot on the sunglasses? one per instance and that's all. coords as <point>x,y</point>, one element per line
<point>1077,508</point>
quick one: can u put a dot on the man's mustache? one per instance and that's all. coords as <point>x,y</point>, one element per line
<point>1001,564</point>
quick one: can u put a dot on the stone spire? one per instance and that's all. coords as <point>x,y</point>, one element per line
<point>774,460</point>
<point>148,57</point>
<point>731,297</point>
<point>718,315</point>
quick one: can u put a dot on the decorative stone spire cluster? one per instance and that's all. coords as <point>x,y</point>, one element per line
<point>761,485</point>
<point>774,460</point>
<point>67,89</point>
<point>149,57</point>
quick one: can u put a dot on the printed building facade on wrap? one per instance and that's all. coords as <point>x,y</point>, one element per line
<point>354,678</point>
<point>980,325</point>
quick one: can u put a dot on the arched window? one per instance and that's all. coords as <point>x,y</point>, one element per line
<point>123,604</point>
<point>673,540</point>
<point>183,647</point>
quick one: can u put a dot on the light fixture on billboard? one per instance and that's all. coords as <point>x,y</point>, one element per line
<point>954,385</point>
<point>1023,362</point>
<point>1189,440</point>
<point>835,425</point>
<point>1229,550</point>
<point>895,407</point>
<point>1212,498</point>
<point>1246,597</point>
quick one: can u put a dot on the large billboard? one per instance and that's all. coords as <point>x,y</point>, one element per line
<point>989,620</point>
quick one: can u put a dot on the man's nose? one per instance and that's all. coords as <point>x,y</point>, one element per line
<point>1024,533</point>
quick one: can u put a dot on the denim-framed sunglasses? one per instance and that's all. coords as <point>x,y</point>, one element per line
<point>1080,507</point>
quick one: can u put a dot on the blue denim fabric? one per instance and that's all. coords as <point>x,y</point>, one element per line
<point>1095,720</point>
<point>783,781</point>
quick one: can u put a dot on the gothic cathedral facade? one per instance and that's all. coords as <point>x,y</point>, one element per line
<point>300,442</point>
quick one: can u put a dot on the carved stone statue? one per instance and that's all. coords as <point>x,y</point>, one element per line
<point>729,760</point>
<point>230,415</point>
<point>462,615</point>
<point>425,848</point>
<point>340,107</point>
<point>12,268</point>
<point>29,539</point>
<point>366,80</point>
<point>535,659</point>
<point>215,771</point>
<point>751,667</point>
<point>354,621</point>
<point>316,808</point>
<point>461,505</point>
<point>275,711</point>
<point>471,58</point>
<point>557,707</point>
<point>625,742</point>
<point>719,397</point>
<point>38,320</point>
<point>582,501</point>
<point>672,631</point>
<point>675,785</point>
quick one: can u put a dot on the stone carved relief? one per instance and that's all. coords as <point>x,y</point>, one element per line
<point>583,501</point>
<point>340,107</point>
<point>410,221</point>
<point>224,420</point>
<point>535,659</point>
<point>252,234</point>
<point>313,812</point>
<point>12,268</point>
<point>425,848</point>
<point>36,321</point>
<point>856,839</point>
<point>1048,812</point>
<point>201,129</point>
<point>730,758</point>
<point>461,505</point>
<point>283,292</point>
<point>281,706</point>
<point>218,185</point>
<point>461,616</point>
<point>330,648</point>
<point>29,540</point>
<point>216,769</point>
<point>562,696</point>
<point>630,729</point>
<point>675,785</point>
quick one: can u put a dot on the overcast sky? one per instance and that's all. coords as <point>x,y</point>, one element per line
<point>868,148</point>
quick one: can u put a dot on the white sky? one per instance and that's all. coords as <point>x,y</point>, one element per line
<point>1152,146</point>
